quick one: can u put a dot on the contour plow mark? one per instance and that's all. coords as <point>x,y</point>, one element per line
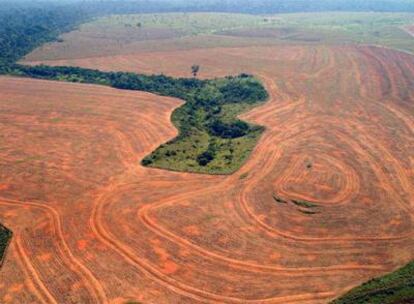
<point>66,254</point>
<point>186,290</point>
<point>239,264</point>
<point>249,187</point>
<point>37,287</point>
<point>329,140</point>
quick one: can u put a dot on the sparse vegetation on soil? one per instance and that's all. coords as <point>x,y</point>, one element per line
<point>279,200</point>
<point>119,35</point>
<point>304,204</point>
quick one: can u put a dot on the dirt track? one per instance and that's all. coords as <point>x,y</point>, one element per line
<point>92,226</point>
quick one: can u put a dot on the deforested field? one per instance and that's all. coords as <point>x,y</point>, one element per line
<point>324,203</point>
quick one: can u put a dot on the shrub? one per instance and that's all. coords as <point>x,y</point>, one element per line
<point>205,158</point>
<point>231,130</point>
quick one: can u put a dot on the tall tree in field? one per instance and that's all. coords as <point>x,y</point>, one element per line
<point>195,69</point>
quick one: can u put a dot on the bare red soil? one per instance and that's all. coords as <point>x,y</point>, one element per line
<point>93,226</point>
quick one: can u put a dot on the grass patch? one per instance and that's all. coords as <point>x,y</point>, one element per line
<point>304,204</point>
<point>5,236</point>
<point>394,288</point>
<point>279,200</point>
<point>309,212</point>
<point>244,176</point>
<point>202,153</point>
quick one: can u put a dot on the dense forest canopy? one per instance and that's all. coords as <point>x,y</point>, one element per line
<point>24,28</point>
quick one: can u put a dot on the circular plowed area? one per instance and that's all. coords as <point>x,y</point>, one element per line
<point>93,226</point>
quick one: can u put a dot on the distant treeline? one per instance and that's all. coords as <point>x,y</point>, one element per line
<point>160,84</point>
<point>25,25</point>
<point>283,6</point>
<point>96,7</point>
<point>243,88</point>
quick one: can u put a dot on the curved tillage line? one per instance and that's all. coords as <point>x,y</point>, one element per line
<point>275,232</point>
<point>370,144</point>
<point>405,183</point>
<point>324,68</point>
<point>322,100</point>
<point>146,219</point>
<point>92,284</point>
<point>143,214</point>
<point>388,86</point>
<point>352,184</point>
<point>409,123</point>
<point>178,287</point>
<point>131,258</point>
<point>406,119</point>
<point>150,224</point>
<point>35,283</point>
<point>246,209</point>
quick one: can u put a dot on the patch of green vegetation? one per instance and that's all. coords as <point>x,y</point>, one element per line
<point>279,200</point>
<point>301,204</point>
<point>308,212</point>
<point>5,236</point>
<point>211,138</point>
<point>304,204</point>
<point>394,288</point>
<point>244,176</point>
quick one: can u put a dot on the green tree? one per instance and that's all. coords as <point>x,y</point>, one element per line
<point>195,69</point>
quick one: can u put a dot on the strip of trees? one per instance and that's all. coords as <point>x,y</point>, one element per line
<point>201,96</point>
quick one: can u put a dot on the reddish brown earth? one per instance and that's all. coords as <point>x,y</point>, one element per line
<point>93,226</point>
<point>410,29</point>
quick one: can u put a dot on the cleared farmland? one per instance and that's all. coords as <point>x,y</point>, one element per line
<point>336,153</point>
<point>132,34</point>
